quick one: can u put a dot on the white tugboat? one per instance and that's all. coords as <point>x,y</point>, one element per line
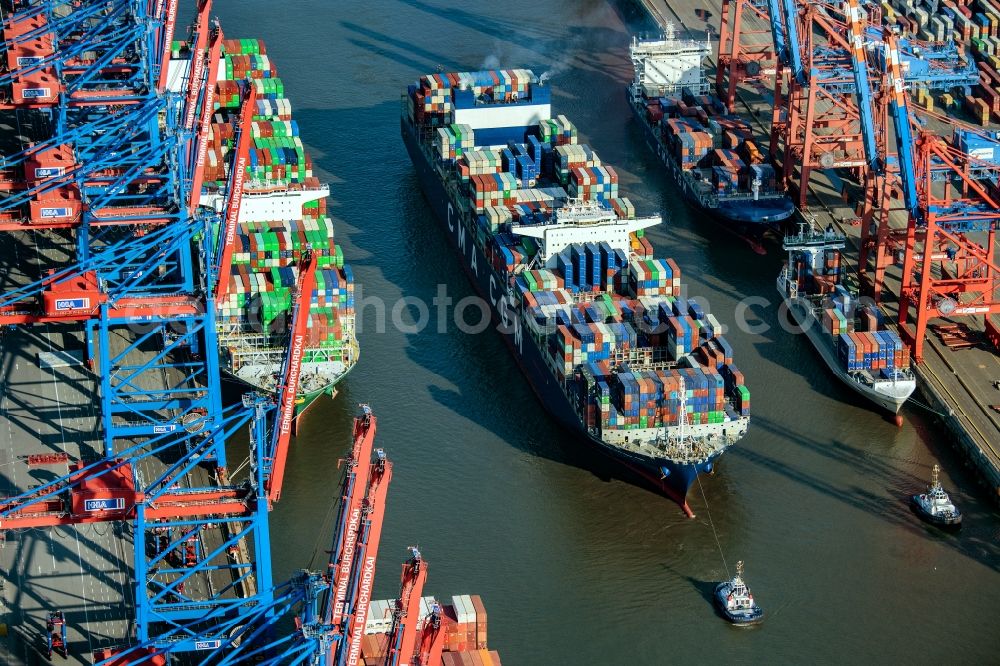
<point>735,602</point>
<point>935,507</point>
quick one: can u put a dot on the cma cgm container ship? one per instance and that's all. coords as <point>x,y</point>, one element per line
<point>600,327</point>
<point>283,214</point>
<point>711,156</point>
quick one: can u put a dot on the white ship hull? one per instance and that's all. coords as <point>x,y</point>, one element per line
<point>887,394</point>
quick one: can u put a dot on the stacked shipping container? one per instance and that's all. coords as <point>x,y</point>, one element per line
<point>604,316</point>
<point>267,253</point>
<point>720,146</point>
<point>464,625</point>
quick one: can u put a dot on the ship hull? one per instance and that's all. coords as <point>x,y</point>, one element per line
<point>748,219</point>
<point>804,318</point>
<point>742,618</point>
<point>952,522</point>
<point>666,476</point>
<point>305,399</point>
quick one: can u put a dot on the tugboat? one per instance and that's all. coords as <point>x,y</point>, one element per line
<point>735,601</point>
<point>935,507</point>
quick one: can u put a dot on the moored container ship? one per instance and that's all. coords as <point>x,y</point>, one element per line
<point>601,328</point>
<point>710,156</point>
<point>849,336</point>
<point>283,215</point>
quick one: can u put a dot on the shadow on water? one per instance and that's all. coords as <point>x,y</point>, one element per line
<point>406,53</point>
<point>977,541</point>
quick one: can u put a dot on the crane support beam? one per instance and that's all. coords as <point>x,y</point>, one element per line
<point>288,388</point>
<point>234,193</point>
<point>166,40</point>
<point>205,124</point>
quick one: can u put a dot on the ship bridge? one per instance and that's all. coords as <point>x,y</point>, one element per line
<point>582,222</point>
<point>665,66</point>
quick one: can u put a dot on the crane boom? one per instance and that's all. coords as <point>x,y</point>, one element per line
<point>791,12</point>
<point>778,32</point>
<point>901,121</point>
<point>859,64</point>
<point>197,71</point>
<point>406,618</point>
<point>205,125</point>
<point>169,25</point>
<point>288,386</point>
<point>234,193</point>
<point>346,539</point>
<point>363,576</point>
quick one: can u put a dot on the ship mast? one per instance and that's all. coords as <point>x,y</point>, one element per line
<point>683,443</point>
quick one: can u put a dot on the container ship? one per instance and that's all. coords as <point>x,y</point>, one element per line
<point>283,214</point>
<point>711,156</point>
<point>849,337</point>
<point>602,329</point>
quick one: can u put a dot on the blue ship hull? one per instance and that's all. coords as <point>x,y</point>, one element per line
<point>663,475</point>
<point>748,219</point>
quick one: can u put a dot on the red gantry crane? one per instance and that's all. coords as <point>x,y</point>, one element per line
<point>406,617</point>
<point>288,385</point>
<point>363,576</point>
<point>234,193</point>
<point>349,521</point>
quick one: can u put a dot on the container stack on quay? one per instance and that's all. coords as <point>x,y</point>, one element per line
<point>464,623</point>
<point>267,254</point>
<point>974,24</point>
<point>943,20</point>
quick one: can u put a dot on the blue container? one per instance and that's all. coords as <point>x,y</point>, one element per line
<point>580,265</point>
<point>507,160</point>
<point>593,259</point>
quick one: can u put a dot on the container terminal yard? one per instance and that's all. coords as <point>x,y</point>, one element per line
<point>126,536</point>
<point>959,362</point>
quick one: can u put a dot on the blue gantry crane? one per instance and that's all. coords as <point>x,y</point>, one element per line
<point>315,617</point>
<point>109,169</point>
